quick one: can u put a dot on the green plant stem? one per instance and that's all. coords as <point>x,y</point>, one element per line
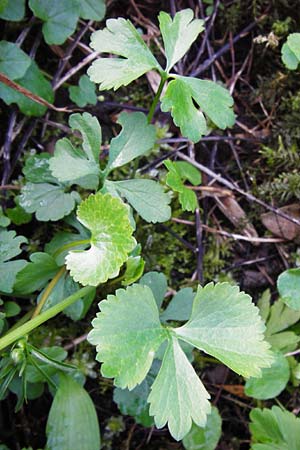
<point>70,245</point>
<point>20,332</point>
<point>48,291</point>
<point>156,98</point>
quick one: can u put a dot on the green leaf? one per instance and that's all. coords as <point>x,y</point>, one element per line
<point>136,138</point>
<point>289,58</point>
<point>72,421</point>
<point>3,4</point>
<point>188,199</point>
<point>264,304</point>
<point>126,344</point>
<point>9,248</point>
<point>65,287</point>
<point>180,307</point>
<point>14,11</point>
<point>34,81</point>
<point>92,9</point>
<point>188,172</point>
<point>213,99</point>
<point>33,375</point>
<point>18,215</point>
<point>122,39</point>
<point>134,270</point>
<point>13,61</point>
<point>134,403</point>
<point>177,396</point>
<point>272,382</point>
<point>72,165</point>
<point>60,18</point>
<point>36,274</point>
<point>280,319</point>
<point>179,100</point>
<point>47,201</point>
<point>288,284</point>
<point>178,34</point>
<point>11,309</point>
<point>206,438</point>
<point>63,241</point>
<point>158,284</point>
<point>276,428</point>
<point>36,169</point>
<point>147,197</point>
<point>4,220</point>
<point>173,178</point>
<point>83,94</point>
<point>111,240</point>
<point>226,324</point>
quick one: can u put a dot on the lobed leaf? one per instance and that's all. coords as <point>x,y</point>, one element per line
<point>9,248</point>
<point>226,324</point>
<point>83,94</point>
<point>147,197</point>
<point>205,438</point>
<point>177,396</point>
<point>111,240</point>
<point>92,9</point>
<point>288,284</point>
<point>60,18</point>
<point>122,39</point>
<point>13,61</point>
<point>72,165</point>
<point>126,344</point>
<point>136,138</point>
<point>14,11</point>
<point>178,34</point>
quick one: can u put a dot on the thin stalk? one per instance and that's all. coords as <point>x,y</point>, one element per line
<point>156,98</point>
<point>20,332</point>
<point>70,245</point>
<point>48,291</point>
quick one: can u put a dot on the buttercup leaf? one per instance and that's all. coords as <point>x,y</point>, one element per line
<point>206,438</point>
<point>178,34</point>
<point>73,165</point>
<point>83,94</point>
<point>227,325</point>
<point>9,248</point>
<point>147,197</point>
<point>122,39</point>
<point>135,139</point>
<point>111,240</point>
<point>126,344</point>
<point>92,9</point>
<point>177,396</point>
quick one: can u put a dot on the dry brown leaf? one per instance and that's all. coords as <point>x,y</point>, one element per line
<point>235,389</point>
<point>283,227</point>
<point>237,216</point>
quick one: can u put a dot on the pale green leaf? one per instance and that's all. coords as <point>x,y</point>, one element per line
<point>177,396</point>
<point>122,39</point>
<point>36,274</point>
<point>264,304</point>
<point>83,94</point>
<point>92,9</point>
<point>35,82</point>
<point>127,333</point>
<point>288,284</point>
<point>59,17</point>
<point>47,201</point>
<point>13,61</point>
<point>73,165</point>
<point>136,138</point>
<point>178,34</point>
<point>173,178</point>
<point>179,100</point>
<point>205,438</point>
<point>9,248</point>
<point>293,42</point>
<point>272,382</point>
<point>72,421</point>
<point>213,100</point>
<point>14,10</point>
<point>227,325</point>
<point>277,429</point>
<point>289,58</point>
<point>158,284</point>
<point>180,307</point>
<point>147,197</point>
<point>111,240</point>
<point>63,241</point>
<point>4,220</point>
